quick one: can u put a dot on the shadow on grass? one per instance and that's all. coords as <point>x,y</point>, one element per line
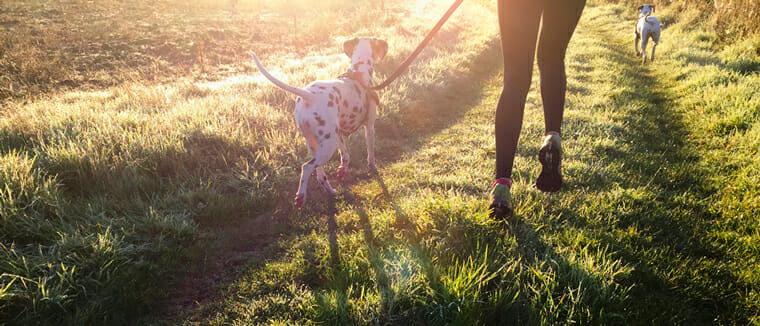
<point>588,299</point>
<point>518,302</point>
<point>341,278</point>
<point>408,229</point>
<point>680,275</point>
<point>375,259</point>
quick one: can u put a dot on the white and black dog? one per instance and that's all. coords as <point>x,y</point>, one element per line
<point>327,111</point>
<point>647,26</point>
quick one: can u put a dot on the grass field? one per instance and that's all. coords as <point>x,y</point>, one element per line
<point>148,171</point>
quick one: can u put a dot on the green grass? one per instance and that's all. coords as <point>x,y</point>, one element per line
<point>172,199</point>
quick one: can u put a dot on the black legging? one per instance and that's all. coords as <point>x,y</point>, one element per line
<point>519,25</point>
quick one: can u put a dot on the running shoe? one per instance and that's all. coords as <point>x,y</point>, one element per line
<point>501,199</point>
<point>550,156</point>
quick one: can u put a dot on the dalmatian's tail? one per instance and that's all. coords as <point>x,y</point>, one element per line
<point>306,95</point>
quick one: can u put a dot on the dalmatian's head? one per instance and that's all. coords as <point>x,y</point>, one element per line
<point>646,10</point>
<point>364,52</point>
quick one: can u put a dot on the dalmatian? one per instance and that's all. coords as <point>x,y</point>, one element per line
<point>647,26</point>
<point>328,111</point>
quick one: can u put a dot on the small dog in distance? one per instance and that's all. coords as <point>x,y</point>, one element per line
<point>647,27</point>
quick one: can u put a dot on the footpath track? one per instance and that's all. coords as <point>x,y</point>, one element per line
<point>628,241</point>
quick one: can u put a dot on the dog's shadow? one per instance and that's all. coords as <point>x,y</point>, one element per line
<point>341,275</point>
<point>402,222</point>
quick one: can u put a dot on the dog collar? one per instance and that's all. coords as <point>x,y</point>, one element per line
<point>358,78</point>
<point>355,76</point>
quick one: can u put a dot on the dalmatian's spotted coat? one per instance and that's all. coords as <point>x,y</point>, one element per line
<point>328,111</point>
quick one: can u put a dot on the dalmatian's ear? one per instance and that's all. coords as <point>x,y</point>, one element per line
<point>349,46</point>
<point>652,6</point>
<point>640,7</point>
<point>379,48</point>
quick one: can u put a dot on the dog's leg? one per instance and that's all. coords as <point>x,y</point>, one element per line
<point>322,177</point>
<point>636,44</point>
<point>644,48</point>
<point>322,154</point>
<point>369,136</point>
<point>306,170</point>
<point>344,159</point>
<point>655,40</point>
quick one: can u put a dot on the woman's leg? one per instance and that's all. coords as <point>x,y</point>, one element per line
<point>559,20</point>
<point>558,24</point>
<point>518,23</point>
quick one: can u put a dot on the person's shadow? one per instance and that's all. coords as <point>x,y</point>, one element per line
<point>532,250</point>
